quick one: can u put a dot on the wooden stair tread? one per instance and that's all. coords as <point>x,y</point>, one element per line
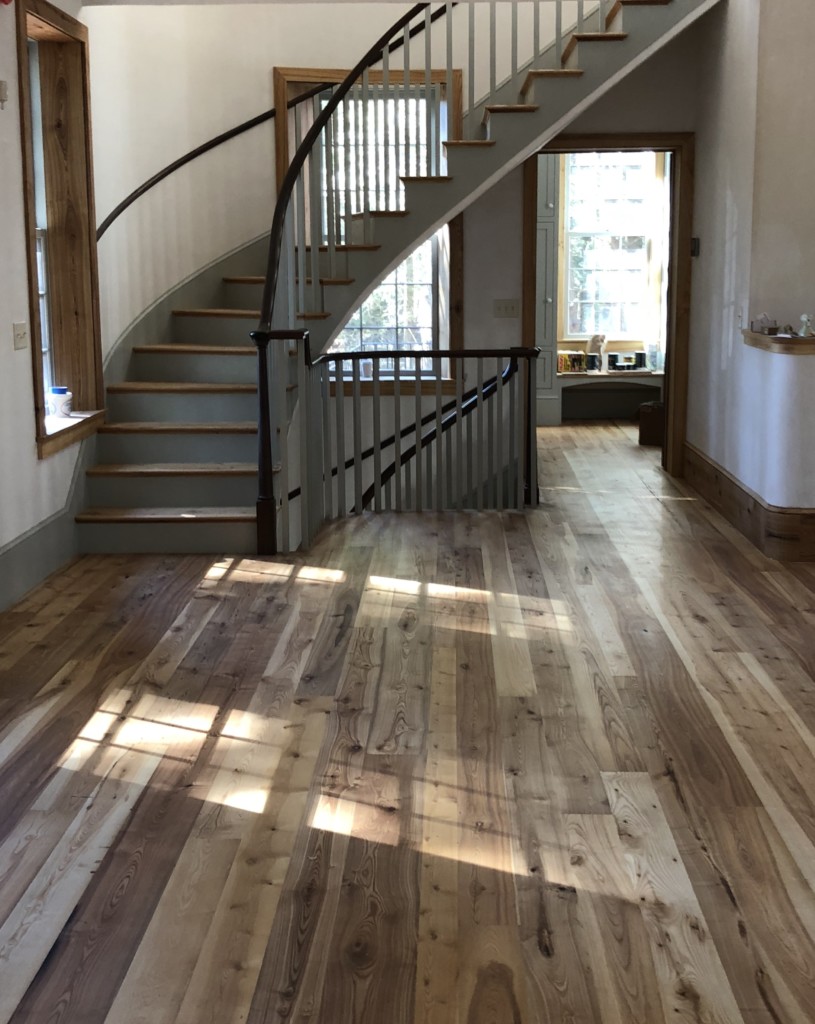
<point>425,177</point>
<point>313,316</point>
<point>508,108</point>
<point>159,427</point>
<point>328,281</point>
<point>235,314</point>
<point>545,73</point>
<point>600,37</point>
<point>197,350</point>
<point>175,469</point>
<point>262,280</point>
<point>379,213</point>
<point>171,387</point>
<point>349,248</point>
<point>216,514</point>
<point>469,142</point>
<point>511,108</point>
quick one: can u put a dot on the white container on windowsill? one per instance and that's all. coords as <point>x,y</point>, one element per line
<point>59,401</point>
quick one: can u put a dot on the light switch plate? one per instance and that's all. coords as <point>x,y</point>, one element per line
<point>20,336</point>
<point>506,308</point>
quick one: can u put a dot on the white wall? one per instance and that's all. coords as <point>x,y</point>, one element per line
<point>32,490</point>
<point>783,267</point>
<point>163,81</point>
<point>751,411</point>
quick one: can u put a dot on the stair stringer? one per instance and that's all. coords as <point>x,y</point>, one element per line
<point>472,171</point>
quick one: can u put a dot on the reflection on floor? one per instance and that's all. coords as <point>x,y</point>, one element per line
<point>473,768</point>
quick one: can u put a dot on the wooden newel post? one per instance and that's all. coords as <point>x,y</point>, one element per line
<point>266,504</point>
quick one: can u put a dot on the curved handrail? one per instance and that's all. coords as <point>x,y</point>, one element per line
<point>373,55</point>
<point>232,133</point>
<point>193,154</point>
<point>488,387</point>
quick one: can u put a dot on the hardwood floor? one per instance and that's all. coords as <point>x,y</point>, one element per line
<point>473,768</point>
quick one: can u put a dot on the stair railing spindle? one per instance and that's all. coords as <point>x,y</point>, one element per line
<point>330,199</point>
<point>386,106</point>
<point>448,72</point>
<point>339,409</point>
<point>493,49</point>
<point>397,430</point>
<point>519,378</point>
<point>356,407</point>
<point>406,125</point>
<point>514,42</point>
<point>376,413</point>
<point>580,15</point>
<point>428,97</point>
<point>325,400</point>
<point>458,370</point>
<point>536,30</point>
<point>499,435</point>
<point>417,406</point>
<point>315,206</point>
<point>439,445</point>
<point>281,439</point>
<point>559,35</point>
<point>300,229</point>
<point>489,493</point>
<point>481,453</point>
<point>346,153</point>
<point>471,69</point>
<point>366,158</point>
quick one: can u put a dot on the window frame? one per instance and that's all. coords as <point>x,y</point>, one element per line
<point>78,355</point>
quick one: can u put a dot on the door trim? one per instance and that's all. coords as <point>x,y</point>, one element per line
<point>683,147</point>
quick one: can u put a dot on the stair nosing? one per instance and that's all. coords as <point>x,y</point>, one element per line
<point>160,514</point>
<point>162,469</point>
<point>162,387</point>
<point>169,427</point>
<point>202,350</point>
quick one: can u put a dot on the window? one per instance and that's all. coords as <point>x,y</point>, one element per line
<point>615,244</point>
<point>60,222</point>
<point>405,310</point>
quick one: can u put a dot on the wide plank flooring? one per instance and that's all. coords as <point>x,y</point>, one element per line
<point>471,768</point>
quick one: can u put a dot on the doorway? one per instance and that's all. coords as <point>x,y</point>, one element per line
<point>570,310</point>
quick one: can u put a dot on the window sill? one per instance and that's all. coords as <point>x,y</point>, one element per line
<point>63,431</point>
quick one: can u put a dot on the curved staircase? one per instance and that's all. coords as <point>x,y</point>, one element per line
<point>178,466</point>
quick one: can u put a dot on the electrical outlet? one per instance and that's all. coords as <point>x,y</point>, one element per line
<point>20,336</point>
<point>506,308</point>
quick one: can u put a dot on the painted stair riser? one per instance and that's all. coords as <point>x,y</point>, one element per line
<point>167,538</point>
<point>211,330</point>
<point>518,136</point>
<point>169,491</point>
<point>242,296</point>
<point>199,367</point>
<point>141,448</point>
<point>180,407</point>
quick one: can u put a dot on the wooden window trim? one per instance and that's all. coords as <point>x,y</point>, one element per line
<point>40,20</point>
<point>287,82</point>
<point>683,147</point>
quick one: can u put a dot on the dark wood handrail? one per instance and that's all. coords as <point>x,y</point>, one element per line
<point>487,389</point>
<point>373,55</point>
<point>469,398</point>
<point>193,154</point>
<point>232,133</point>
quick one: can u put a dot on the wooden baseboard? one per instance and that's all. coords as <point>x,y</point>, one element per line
<point>786,534</point>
